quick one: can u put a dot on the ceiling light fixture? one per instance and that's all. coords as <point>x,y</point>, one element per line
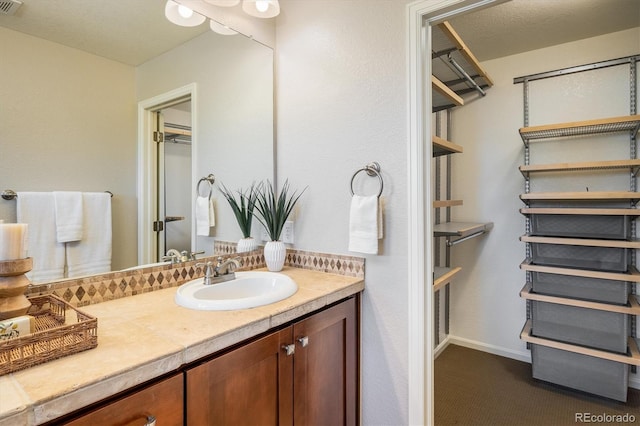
<point>261,8</point>
<point>182,15</point>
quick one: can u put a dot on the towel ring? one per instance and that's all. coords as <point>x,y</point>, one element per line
<point>372,169</point>
<point>210,180</point>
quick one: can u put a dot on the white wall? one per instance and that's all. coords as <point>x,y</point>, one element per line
<point>486,309</point>
<point>341,103</point>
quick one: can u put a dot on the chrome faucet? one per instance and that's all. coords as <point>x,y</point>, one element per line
<point>173,255</point>
<point>176,256</point>
<point>227,267</point>
<point>223,271</point>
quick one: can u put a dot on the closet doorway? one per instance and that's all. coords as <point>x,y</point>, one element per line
<point>166,146</point>
<point>174,179</point>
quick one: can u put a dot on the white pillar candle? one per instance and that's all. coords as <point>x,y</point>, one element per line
<point>13,241</point>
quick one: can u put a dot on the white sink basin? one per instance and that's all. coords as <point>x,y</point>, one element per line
<point>247,290</point>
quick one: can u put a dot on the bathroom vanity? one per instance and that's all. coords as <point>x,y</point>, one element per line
<point>293,361</point>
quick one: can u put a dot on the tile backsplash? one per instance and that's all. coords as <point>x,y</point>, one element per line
<point>114,285</point>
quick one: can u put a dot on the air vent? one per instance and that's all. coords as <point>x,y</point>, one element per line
<point>9,7</point>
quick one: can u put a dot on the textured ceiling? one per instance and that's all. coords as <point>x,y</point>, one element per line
<point>128,31</point>
<point>523,25</point>
<point>134,31</point>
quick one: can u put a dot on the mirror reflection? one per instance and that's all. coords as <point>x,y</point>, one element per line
<point>75,118</point>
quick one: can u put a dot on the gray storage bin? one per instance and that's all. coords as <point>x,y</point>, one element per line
<point>585,288</point>
<point>581,226</point>
<point>598,376</point>
<point>586,257</point>
<point>593,328</point>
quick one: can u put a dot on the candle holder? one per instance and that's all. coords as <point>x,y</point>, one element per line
<point>13,285</point>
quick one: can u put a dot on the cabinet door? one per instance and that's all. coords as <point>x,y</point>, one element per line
<point>251,385</point>
<point>162,401</point>
<point>326,367</point>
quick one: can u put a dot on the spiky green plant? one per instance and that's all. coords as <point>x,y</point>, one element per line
<point>273,209</point>
<point>242,206</point>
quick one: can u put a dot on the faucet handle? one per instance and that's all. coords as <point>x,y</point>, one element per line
<point>192,255</point>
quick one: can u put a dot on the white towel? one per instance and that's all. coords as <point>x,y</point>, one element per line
<point>205,217</point>
<point>92,254</point>
<point>365,224</point>
<point>38,210</point>
<point>68,207</point>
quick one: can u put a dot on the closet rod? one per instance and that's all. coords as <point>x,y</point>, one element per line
<point>451,243</point>
<point>466,76</point>
<point>579,68</point>
<point>9,194</point>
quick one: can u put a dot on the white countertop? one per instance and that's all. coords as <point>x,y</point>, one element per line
<point>142,337</point>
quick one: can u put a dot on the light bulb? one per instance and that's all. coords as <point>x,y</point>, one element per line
<point>185,12</point>
<point>262,5</point>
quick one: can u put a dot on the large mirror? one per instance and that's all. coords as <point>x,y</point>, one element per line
<point>76,73</point>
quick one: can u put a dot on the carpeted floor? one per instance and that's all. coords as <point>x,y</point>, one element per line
<point>477,388</point>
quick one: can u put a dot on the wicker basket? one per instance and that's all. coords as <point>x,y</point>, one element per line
<point>53,339</point>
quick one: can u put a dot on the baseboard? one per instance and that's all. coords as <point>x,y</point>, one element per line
<point>634,379</point>
<point>441,347</point>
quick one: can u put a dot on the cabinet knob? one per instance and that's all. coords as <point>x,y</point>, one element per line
<point>304,341</point>
<point>151,421</point>
<point>289,349</point>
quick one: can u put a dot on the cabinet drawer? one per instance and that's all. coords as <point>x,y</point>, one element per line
<point>162,400</point>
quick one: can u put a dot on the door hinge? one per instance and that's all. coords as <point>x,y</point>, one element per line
<point>158,137</point>
<point>158,226</point>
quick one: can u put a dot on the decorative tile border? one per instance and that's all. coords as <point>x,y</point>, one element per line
<point>114,285</point>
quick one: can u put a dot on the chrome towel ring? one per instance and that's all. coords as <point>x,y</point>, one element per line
<point>372,169</point>
<point>211,179</point>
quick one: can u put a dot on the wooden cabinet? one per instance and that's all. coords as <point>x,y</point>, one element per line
<point>161,402</point>
<point>306,374</point>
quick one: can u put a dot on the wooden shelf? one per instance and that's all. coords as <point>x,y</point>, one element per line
<point>633,358</point>
<point>629,123</point>
<point>443,276</point>
<point>582,196</point>
<point>634,244</point>
<point>442,96</point>
<point>580,211</point>
<point>460,229</point>
<point>444,147</point>
<point>632,275</point>
<point>632,165</point>
<point>631,308</point>
<point>437,204</point>
<point>455,66</point>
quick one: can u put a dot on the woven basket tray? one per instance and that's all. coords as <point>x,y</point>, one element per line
<point>55,335</point>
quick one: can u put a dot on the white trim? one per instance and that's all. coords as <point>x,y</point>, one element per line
<point>145,184</point>
<point>420,272</point>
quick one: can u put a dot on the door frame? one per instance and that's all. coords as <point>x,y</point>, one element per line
<point>146,185</point>
<point>420,309</point>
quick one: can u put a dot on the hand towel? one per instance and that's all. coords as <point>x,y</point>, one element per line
<point>68,208</point>
<point>205,218</point>
<point>365,224</point>
<point>38,210</point>
<point>92,254</point>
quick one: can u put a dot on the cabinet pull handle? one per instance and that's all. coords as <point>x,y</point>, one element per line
<point>304,341</point>
<point>289,349</point>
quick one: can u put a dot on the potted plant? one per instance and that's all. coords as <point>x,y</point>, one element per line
<point>242,207</point>
<point>272,212</point>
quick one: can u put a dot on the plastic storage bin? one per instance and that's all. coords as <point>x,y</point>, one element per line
<point>598,376</point>
<point>585,288</point>
<point>597,329</point>
<point>581,226</point>
<point>585,257</point>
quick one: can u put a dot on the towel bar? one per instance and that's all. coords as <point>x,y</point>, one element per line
<point>372,169</point>
<point>9,194</point>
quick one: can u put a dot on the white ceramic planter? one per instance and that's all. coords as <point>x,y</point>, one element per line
<point>247,244</point>
<point>274,254</point>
